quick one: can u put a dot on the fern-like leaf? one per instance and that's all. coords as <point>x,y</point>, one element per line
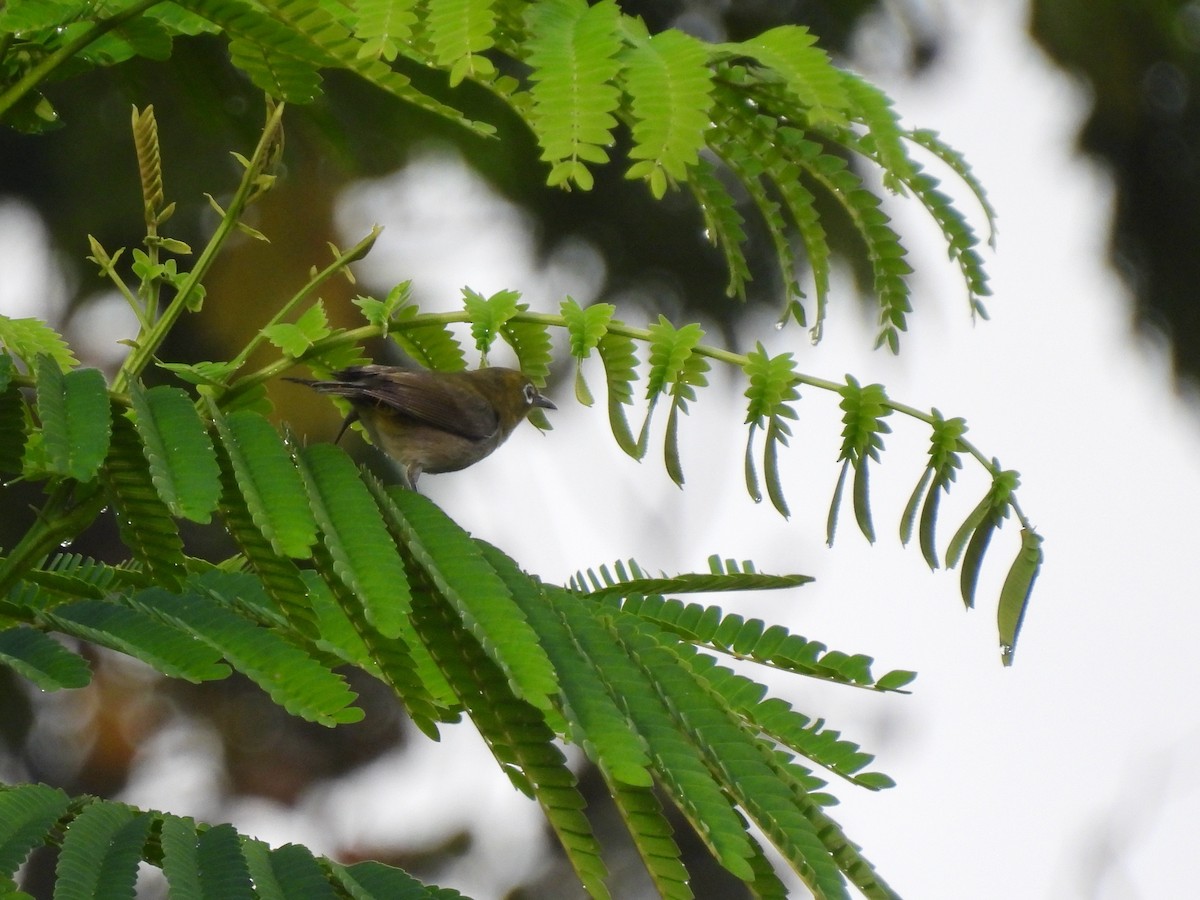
<point>771,391</point>
<point>27,339</point>
<point>722,224</point>
<point>620,369</point>
<point>594,721</point>
<point>430,343</point>
<point>174,653</point>
<point>670,86</point>
<point>384,26</point>
<point>488,316</point>
<point>1014,595</point>
<point>864,409</point>
<point>751,639</point>
<point>27,813</point>
<point>223,865</point>
<point>363,554</point>
<point>974,535</point>
<point>517,735</point>
<point>791,51</point>
<point>573,50</point>
<point>101,852</point>
<point>459,32</point>
<point>652,836</point>
<point>73,408</point>
<point>267,481</point>
<point>183,465</point>
<point>42,660</point>
<point>932,142</point>
<point>293,679</point>
<point>145,141</point>
<point>144,521</point>
<point>747,770</point>
<point>673,367</point>
<point>454,564</point>
<point>585,328</point>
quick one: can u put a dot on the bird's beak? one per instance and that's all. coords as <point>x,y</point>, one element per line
<point>543,402</point>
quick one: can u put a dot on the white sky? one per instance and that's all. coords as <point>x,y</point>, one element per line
<point>1071,775</point>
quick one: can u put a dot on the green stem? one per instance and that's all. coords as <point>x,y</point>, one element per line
<point>144,352</point>
<point>357,252</point>
<point>40,72</point>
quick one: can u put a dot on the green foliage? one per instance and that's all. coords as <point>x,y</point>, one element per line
<point>774,109</point>
<point>102,843</point>
<point>333,568</point>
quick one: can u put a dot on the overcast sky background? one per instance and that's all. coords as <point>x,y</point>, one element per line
<point>1071,775</point>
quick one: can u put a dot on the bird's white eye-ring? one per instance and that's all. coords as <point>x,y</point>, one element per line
<point>530,394</point>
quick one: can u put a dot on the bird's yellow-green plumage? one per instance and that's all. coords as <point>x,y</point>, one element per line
<point>434,421</point>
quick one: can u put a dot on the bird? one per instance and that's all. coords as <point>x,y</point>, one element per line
<point>431,421</point>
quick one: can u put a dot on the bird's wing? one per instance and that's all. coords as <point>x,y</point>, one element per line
<point>427,398</point>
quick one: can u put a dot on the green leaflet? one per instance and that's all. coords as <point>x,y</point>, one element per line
<point>864,409</point>
<point>776,718</point>
<point>297,338</point>
<point>144,521</point>
<point>1014,595</point>
<point>594,721</point>
<point>531,343</point>
<point>651,833</point>
<point>281,577</point>
<point>722,224</point>
<point>792,52</point>
<point>293,679</point>
<point>73,408</point>
<point>932,142</point>
<point>182,462</point>
<point>489,315</point>
<point>745,773</point>
<point>180,861</point>
<point>771,391</point>
<point>620,369</point>
<point>515,731</point>
<point>585,328</point>
<point>572,48</point>
<point>363,554</point>
<point>874,108</point>
<point>404,663</point>
<point>673,367</point>
<point>268,484</point>
<point>27,339</point>
<point>42,660</point>
<point>459,31</point>
<point>696,622</point>
<point>384,26</point>
<point>462,577</point>
<point>293,869</point>
<point>27,813</point>
<point>430,344</point>
<point>670,88</point>
<point>746,141</point>
<point>223,865</point>
<point>945,447</point>
<point>173,652</point>
<point>370,879</point>
<point>100,853</point>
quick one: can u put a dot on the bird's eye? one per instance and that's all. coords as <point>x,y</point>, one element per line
<point>530,394</point>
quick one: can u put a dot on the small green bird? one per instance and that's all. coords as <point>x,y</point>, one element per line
<point>433,421</point>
